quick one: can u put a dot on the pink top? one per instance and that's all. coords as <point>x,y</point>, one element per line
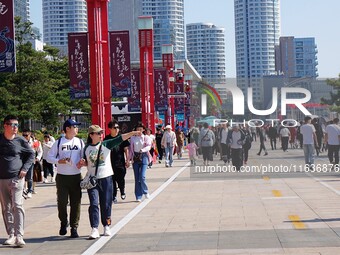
<point>192,147</point>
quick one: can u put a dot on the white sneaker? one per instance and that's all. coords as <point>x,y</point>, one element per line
<point>45,180</point>
<point>107,231</point>
<point>29,195</point>
<point>147,195</point>
<point>10,241</point>
<point>94,233</point>
<point>20,241</point>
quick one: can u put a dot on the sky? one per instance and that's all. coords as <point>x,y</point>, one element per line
<point>299,18</point>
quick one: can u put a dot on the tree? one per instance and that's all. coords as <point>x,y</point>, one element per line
<point>334,101</point>
<point>39,90</point>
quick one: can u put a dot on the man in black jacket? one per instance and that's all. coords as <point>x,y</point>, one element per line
<point>16,156</point>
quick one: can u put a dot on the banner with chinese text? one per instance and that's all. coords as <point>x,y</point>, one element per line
<point>78,60</point>
<point>179,102</point>
<point>120,64</point>
<point>7,37</point>
<point>161,89</point>
<point>134,104</point>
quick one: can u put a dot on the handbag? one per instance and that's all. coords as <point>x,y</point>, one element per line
<point>90,181</point>
<point>137,157</point>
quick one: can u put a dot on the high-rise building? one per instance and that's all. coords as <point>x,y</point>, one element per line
<point>257,31</point>
<point>61,17</point>
<point>296,57</point>
<point>123,15</point>
<point>22,9</point>
<point>168,23</point>
<point>206,51</point>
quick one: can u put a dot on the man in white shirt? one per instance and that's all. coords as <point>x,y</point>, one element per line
<point>309,139</point>
<point>66,152</point>
<point>223,141</point>
<point>235,141</point>
<point>284,136</point>
<point>332,138</point>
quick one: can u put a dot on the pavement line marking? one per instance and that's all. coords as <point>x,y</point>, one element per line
<point>295,219</point>
<point>277,193</point>
<point>266,178</point>
<point>94,248</point>
<point>324,184</point>
<point>273,198</point>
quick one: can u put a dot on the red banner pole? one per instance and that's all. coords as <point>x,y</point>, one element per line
<point>99,61</point>
<point>145,26</point>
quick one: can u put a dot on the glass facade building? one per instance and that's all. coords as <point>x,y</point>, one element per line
<point>61,17</point>
<point>206,51</point>
<point>257,31</point>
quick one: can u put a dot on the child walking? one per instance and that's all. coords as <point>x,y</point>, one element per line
<point>192,148</point>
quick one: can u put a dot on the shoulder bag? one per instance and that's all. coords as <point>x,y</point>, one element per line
<point>90,181</point>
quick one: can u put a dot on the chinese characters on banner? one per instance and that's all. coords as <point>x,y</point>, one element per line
<point>161,89</point>
<point>120,64</point>
<point>134,104</point>
<point>7,49</point>
<point>179,102</point>
<point>78,65</point>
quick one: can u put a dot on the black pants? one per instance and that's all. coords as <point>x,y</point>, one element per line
<point>160,151</point>
<point>207,153</point>
<point>262,147</point>
<point>284,143</point>
<point>68,187</point>
<point>273,143</point>
<point>333,153</point>
<point>246,152</point>
<point>225,154</point>
<point>236,158</point>
<point>48,168</point>
<point>118,178</point>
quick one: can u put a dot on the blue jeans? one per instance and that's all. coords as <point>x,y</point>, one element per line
<point>101,194</point>
<point>29,179</point>
<point>139,169</point>
<point>168,155</point>
<point>308,150</point>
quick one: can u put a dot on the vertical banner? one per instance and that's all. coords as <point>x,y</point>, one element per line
<point>7,37</point>
<point>179,102</point>
<point>120,64</point>
<point>161,89</point>
<point>78,60</point>
<point>134,100</point>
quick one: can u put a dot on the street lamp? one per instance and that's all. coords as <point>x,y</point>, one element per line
<point>145,27</point>
<point>168,63</point>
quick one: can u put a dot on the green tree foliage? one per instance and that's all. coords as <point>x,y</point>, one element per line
<point>334,101</point>
<point>39,90</point>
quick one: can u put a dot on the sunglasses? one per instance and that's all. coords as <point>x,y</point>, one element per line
<point>25,135</point>
<point>97,133</point>
<point>12,124</point>
<point>115,127</point>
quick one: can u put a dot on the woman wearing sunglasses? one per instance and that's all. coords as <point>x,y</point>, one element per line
<point>97,155</point>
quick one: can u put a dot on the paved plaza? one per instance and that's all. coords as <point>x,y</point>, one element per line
<point>194,210</point>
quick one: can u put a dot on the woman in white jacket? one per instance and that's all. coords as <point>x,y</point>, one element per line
<point>168,143</point>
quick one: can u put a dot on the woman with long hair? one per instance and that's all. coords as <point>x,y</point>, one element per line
<point>139,152</point>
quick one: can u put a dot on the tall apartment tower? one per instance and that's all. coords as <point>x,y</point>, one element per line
<point>257,31</point>
<point>296,57</point>
<point>168,20</point>
<point>61,17</point>
<point>22,9</point>
<point>206,51</point>
<point>123,15</point>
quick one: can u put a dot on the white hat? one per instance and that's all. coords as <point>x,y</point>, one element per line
<point>168,126</point>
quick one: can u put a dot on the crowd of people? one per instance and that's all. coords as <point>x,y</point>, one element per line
<point>232,143</point>
<point>26,160</point>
